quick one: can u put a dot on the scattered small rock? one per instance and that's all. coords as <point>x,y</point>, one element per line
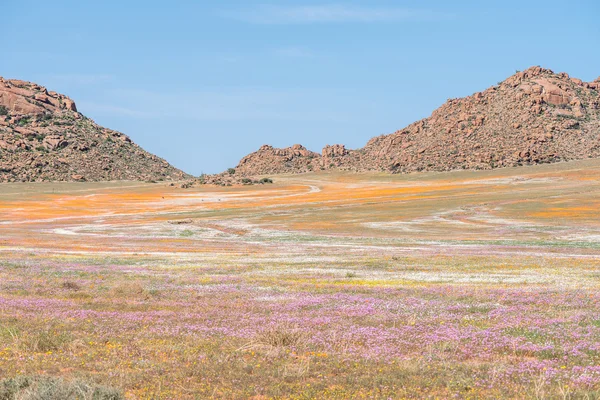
<point>180,221</point>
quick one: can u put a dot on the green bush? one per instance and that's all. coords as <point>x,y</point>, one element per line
<point>3,110</point>
<point>185,233</point>
<point>23,121</point>
<point>231,171</point>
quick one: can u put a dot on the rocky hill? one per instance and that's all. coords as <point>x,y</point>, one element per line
<point>270,160</point>
<point>534,116</point>
<point>44,138</point>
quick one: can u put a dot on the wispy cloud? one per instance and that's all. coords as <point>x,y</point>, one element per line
<point>332,13</point>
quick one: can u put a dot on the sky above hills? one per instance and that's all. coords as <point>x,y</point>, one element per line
<point>203,83</point>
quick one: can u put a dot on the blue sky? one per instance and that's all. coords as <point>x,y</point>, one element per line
<point>202,83</point>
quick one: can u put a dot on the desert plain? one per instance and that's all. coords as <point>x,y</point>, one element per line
<point>463,284</point>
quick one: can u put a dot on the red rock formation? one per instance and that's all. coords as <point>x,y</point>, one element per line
<point>534,116</point>
<point>332,156</point>
<point>44,138</point>
<point>270,160</point>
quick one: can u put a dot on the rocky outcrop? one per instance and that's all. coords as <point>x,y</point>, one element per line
<point>535,116</point>
<point>44,138</point>
<point>333,156</point>
<point>269,160</point>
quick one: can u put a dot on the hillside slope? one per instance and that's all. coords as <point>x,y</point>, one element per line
<point>44,138</point>
<point>535,116</point>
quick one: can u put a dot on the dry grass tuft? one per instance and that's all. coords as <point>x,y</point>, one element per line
<point>49,388</point>
<point>70,285</point>
<point>296,369</point>
<point>129,289</point>
<point>48,339</point>
<point>276,339</point>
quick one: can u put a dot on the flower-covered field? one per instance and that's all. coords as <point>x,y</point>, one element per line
<point>332,285</point>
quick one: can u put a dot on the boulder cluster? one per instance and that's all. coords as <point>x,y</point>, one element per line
<point>44,138</point>
<point>269,160</point>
